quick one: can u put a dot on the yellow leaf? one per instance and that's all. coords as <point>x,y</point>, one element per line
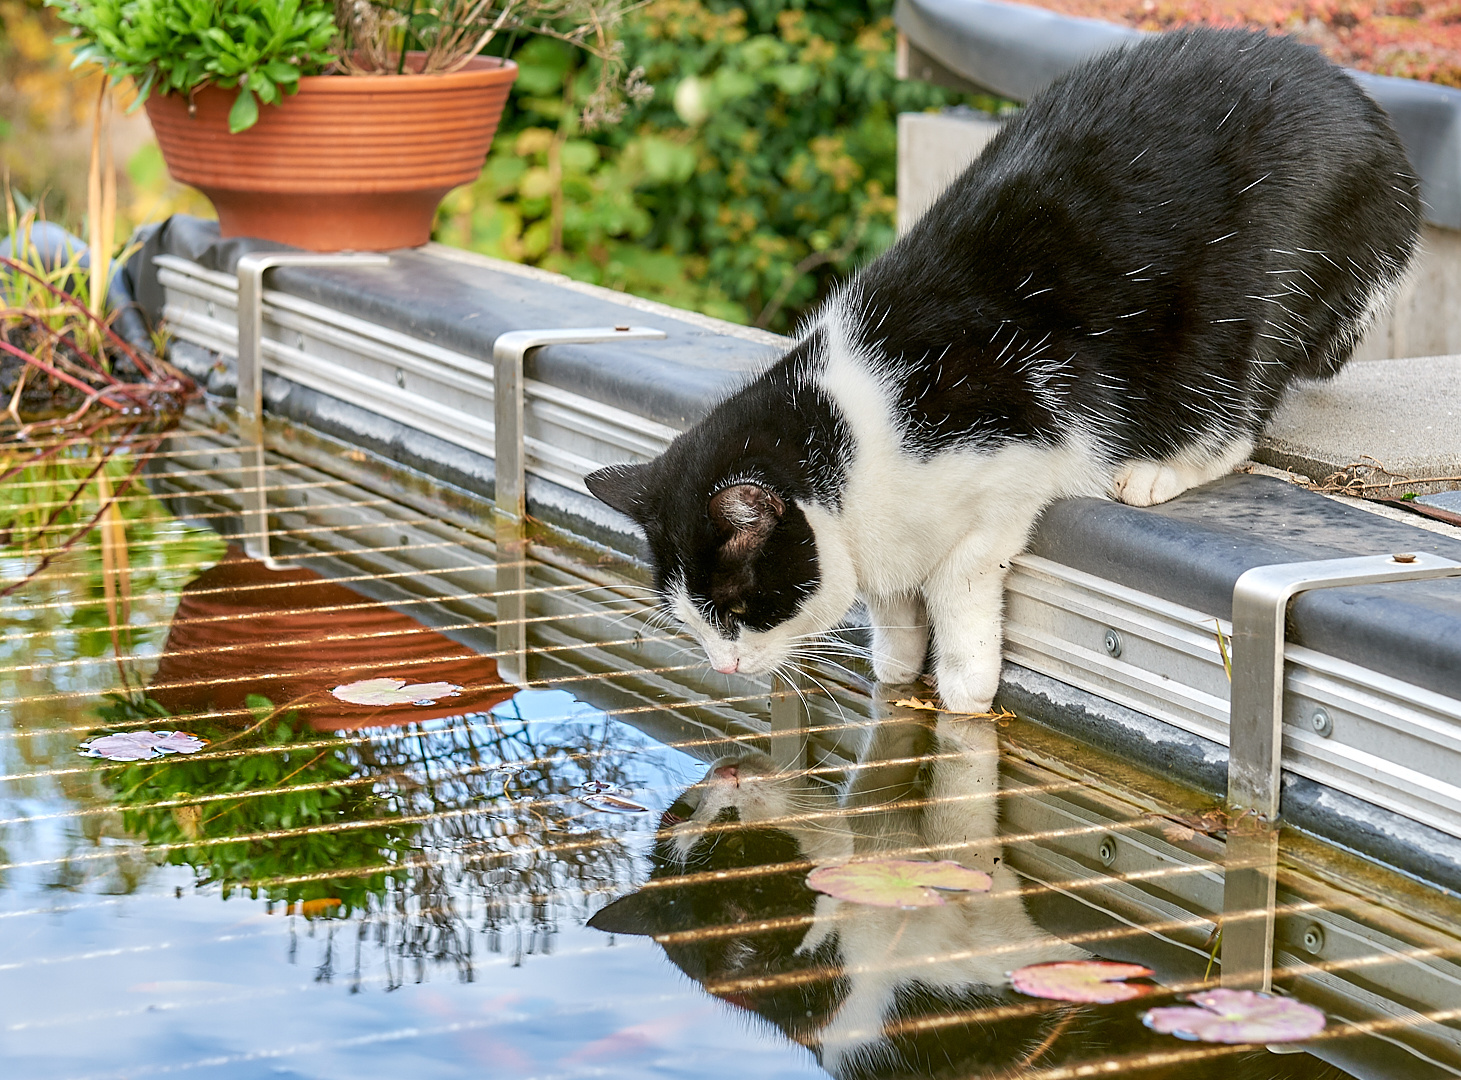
<point>314,909</point>
<point>916,703</point>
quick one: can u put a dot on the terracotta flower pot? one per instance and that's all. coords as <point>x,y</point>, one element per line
<point>349,162</point>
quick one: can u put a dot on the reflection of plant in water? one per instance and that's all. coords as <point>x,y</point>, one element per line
<point>289,779</point>
<point>83,500</point>
<point>429,833</point>
<point>90,600</point>
<point>506,843</point>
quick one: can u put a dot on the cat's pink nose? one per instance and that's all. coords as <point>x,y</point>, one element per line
<point>728,668</point>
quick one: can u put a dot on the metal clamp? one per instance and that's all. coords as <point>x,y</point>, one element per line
<point>250,369</point>
<point>1255,740</point>
<point>510,513</point>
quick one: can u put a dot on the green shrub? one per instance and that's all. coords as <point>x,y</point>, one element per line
<point>762,169</point>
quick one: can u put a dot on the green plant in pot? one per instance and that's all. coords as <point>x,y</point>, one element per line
<point>325,125</point>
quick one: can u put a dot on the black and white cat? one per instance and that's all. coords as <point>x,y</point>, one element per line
<point>1110,301</point>
<point>877,992</point>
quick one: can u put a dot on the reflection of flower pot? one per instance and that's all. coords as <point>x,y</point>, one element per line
<point>350,161</point>
<point>291,636</point>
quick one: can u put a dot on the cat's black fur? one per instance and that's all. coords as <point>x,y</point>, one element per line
<point>1111,300</point>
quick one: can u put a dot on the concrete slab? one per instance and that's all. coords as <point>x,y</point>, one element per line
<point>1444,500</point>
<point>1381,427</point>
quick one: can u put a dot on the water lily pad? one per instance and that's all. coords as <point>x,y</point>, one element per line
<point>394,692</point>
<point>1237,1016</point>
<point>141,745</point>
<point>896,882</point>
<point>1098,981</point>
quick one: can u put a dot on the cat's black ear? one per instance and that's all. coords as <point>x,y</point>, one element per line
<point>621,486</point>
<point>747,514</point>
<point>633,915</point>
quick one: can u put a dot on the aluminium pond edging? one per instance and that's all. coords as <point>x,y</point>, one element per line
<point>1016,51</point>
<point>340,344</point>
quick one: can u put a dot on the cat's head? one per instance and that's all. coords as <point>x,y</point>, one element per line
<point>727,897</point>
<point>743,558</point>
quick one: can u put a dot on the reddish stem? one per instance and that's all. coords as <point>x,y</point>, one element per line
<point>61,339</point>
<point>49,370</point>
<point>55,448</point>
<point>82,310</point>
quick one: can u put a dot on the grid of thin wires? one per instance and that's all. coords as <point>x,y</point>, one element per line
<point>485,811</point>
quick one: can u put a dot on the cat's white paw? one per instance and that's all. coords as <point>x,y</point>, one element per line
<point>900,639</point>
<point>1145,483</point>
<point>967,685</point>
<point>894,657</point>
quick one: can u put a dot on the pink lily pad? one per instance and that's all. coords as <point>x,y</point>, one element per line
<point>394,692</point>
<point>1238,1016</point>
<point>1098,981</point>
<point>896,882</point>
<point>141,745</point>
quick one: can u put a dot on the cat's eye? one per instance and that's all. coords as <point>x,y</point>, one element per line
<point>739,608</point>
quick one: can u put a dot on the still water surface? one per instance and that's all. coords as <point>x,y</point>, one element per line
<point>605,874</point>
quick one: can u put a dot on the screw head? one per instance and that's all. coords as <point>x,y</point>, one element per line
<point>1321,723</point>
<point>1112,642</point>
<point>1107,851</point>
<point>1313,939</point>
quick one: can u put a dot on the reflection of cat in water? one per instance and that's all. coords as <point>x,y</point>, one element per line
<point>873,991</point>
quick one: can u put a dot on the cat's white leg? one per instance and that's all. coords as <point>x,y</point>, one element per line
<point>900,636</point>
<point>1144,482</point>
<point>965,598</point>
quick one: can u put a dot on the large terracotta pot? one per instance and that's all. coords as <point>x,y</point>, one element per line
<point>349,162</point>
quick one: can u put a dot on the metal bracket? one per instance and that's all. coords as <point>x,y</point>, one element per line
<point>510,513</point>
<point>1255,740</point>
<point>250,369</point>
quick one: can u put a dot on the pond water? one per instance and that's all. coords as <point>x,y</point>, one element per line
<point>377,858</point>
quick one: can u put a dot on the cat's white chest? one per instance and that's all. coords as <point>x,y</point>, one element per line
<point>902,514</point>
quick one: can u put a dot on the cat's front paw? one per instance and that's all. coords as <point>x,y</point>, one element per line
<point>1146,483</point>
<point>898,654</point>
<point>967,685</point>
<point>900,638</point>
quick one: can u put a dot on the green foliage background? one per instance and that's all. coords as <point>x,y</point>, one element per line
<point>761,171</point>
